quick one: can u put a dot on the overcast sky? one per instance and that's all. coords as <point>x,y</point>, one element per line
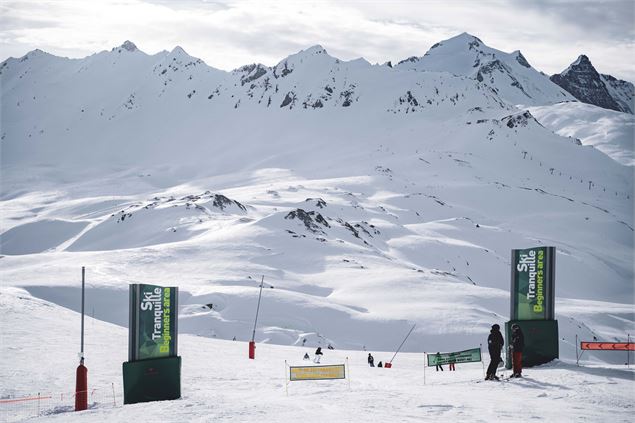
<point>228,34</point>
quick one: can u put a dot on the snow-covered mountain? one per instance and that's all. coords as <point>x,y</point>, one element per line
<point>370,197</point>
<point>589,86</point>
<point>510,74</point>
<point>611,132</point>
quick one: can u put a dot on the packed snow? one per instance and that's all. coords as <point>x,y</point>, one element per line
<point>219,382</point>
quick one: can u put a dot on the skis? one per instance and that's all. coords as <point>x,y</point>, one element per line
<point>501,379</point>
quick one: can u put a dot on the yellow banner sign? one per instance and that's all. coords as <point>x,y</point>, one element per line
<point>336,371</point>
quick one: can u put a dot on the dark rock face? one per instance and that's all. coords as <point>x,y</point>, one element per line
<point>587,85</point>
<point>622,91</point>
<point>521,59</point>
<point>520,119</point>
<point>413,59</point>
<point>252,72</point>
<point>487,72</point>
<point>311,220</point>
<point>221,202</point>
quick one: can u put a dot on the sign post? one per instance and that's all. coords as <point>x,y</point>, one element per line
<point>153,369</point>
<point>532,304</point>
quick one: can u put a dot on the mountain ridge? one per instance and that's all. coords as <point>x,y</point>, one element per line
<point>370,197</point>
<point>587,85</point>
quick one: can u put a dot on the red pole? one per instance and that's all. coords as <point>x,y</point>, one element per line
<point>252,349</point>
<point>81,387</point>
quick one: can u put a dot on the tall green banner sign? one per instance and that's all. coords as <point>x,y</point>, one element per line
<point>533,288</point>
<point>153,330</point>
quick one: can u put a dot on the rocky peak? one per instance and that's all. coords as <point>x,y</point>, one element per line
<point>310,57</point>
<point>458,43</point>
<point>521,59</point>
<point>581,65</point>
<point>126,46</point>
<point>411,59</point>
<point>129,45</point>
<point>178,51</point>
<point>584,82</point>
<point>316,49</point>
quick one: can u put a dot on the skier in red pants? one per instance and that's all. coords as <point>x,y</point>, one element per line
<point>517,344</point>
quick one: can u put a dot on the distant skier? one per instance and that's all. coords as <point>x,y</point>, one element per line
<point>318,355</point>
<point>495,344</point>
<point>438,359</point>
<point>330,347</point>
<point>451,361</point>
<point>380,365</point>
<point>303,341</point>
<point>371,360</point>
<point>517,346</point>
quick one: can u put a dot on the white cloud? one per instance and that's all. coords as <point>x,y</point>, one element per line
<point>228,34</point>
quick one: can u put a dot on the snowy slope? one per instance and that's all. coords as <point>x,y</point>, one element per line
<point>219,382</point>
<point>513,78</point>
<point>370,197</point>
<point>611,132</point>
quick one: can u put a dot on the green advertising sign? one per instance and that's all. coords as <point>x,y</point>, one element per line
<point>532,290</point>
<point>467,356</point>
<point>153,330</point>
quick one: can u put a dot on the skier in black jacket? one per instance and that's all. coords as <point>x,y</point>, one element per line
<point>318,355</point>
<point>495,344</point>
<point>371,360</point>
<point>517,346</point>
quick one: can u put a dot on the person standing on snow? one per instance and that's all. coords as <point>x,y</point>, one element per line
<point>318,355</point>
<point>517,346</point>
<point>495,344</point>
<point>371,360</point>
<point>438,357</point>
<point>452,361</point>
